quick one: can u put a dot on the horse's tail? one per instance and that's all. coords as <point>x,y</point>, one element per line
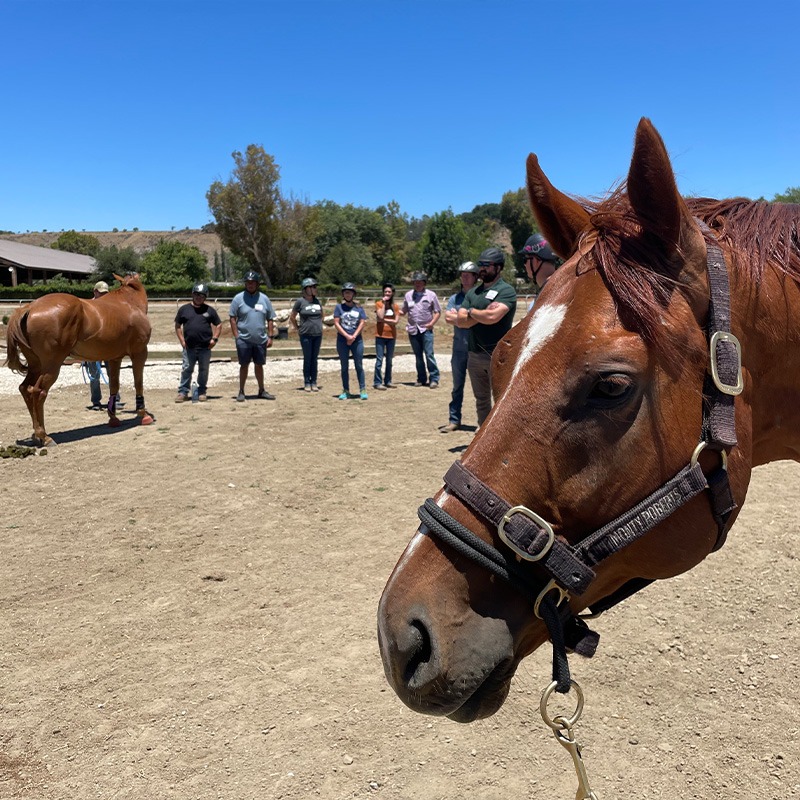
<point>15,337</point>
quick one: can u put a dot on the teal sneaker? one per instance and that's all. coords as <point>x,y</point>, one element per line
<point>343,396</point>
<point>364,395</point>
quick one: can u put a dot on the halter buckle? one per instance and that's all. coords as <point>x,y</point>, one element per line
<point>726,388</point>
<point>699,449</point>
<point>552,586</point>
<point>534,517</point>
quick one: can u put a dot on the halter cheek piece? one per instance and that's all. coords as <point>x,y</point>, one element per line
<point>570,567</point>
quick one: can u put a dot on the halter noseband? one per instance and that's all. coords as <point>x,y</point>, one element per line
<point>570,567</point>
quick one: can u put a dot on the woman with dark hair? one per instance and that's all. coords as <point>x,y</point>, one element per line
<point>387,312</point>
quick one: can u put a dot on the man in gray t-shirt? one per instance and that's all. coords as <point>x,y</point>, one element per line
<point>252,325</point>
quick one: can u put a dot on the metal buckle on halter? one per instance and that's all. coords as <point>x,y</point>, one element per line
<point>726,388</point>
<point>702,446</point>
<point>552,586</point>
<point>531,515</point>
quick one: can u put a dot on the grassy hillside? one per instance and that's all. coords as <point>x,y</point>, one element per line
<point>140,241</point>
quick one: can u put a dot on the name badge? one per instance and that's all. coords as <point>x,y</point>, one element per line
<point>411,304</point>
<point>259,306</point>
<point>389,313</point>
<point>491,294</point>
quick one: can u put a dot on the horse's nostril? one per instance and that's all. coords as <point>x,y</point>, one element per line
<point>419,653</point>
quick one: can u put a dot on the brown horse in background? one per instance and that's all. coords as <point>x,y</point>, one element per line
<point>57,326</point>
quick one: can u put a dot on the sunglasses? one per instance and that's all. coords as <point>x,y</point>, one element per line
<point>486,264</point>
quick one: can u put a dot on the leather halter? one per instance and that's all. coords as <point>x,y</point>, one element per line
<point>570,568</point>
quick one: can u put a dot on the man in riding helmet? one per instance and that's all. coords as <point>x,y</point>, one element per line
<point>197,326</point>
<point>539,259</point>
<point>252,320</point>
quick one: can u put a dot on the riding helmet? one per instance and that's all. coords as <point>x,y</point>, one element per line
<point>200,288</point>
<point>252,276</point>
<point>349,287</point>
<point>469,266</point>
<point>538,246</point>
<point>307,282</point>
<point>420,276</point>
<point>492,255</point>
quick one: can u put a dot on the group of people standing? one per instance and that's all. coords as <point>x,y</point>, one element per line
<point>481,313</point>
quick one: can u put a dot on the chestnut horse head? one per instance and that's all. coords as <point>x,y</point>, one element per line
<point>57,326</point>
<point>604,395</point>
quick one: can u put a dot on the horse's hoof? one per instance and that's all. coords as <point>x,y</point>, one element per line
<point>113,422</point>
<point>48,442</point>
<point>147,420</point>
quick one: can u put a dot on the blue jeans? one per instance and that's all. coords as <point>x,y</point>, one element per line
<point>384,348</point>
<point>311,346</point>
<point>423,343</point>
<point>192,356</point>
<point>458,363</point>
<point>357,350</point>
<point>93,370</point>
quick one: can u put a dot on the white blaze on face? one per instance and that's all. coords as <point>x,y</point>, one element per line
<point>543,326</point>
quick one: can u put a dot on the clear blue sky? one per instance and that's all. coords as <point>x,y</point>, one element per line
<point>121,114</point>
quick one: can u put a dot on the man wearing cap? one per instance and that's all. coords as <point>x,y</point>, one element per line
<point>539,260</point>
<point>421,305</point>
<point>252,320</point>
<point>468,272</point>
<point>488,313</point>
<point>197,326</point>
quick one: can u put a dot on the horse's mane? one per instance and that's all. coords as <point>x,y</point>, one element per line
<point>640,275</point>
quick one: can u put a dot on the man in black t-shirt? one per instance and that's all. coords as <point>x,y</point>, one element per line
<point>197,326</point>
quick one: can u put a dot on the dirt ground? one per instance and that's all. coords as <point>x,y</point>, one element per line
<point>188,610</point>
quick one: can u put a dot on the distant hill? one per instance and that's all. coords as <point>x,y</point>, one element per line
<point>140,241</point>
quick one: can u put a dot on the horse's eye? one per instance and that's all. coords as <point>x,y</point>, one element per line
<point>611,388</point>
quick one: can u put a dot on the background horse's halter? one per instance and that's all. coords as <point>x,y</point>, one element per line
<point>570,567</point>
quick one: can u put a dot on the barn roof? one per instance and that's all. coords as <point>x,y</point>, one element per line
<point>32,257</point>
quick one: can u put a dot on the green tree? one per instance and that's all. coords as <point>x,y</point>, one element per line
<point>293,241</point>
<point>481,214</point>
<point>74,242</point>
<point>246,209</point>
<point>112,261</point>
<point>516,215</point>
<point>399,248</point>
<point>445,245</point>
<point>348,261</point>
<point>359,228</point>
<point>791,195</point>
<point>174,262</point>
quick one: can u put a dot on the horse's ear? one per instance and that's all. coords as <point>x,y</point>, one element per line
<point>118,277</point>
<point>662,212</point>
<point>560,218</point>
<point>651,186</point>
